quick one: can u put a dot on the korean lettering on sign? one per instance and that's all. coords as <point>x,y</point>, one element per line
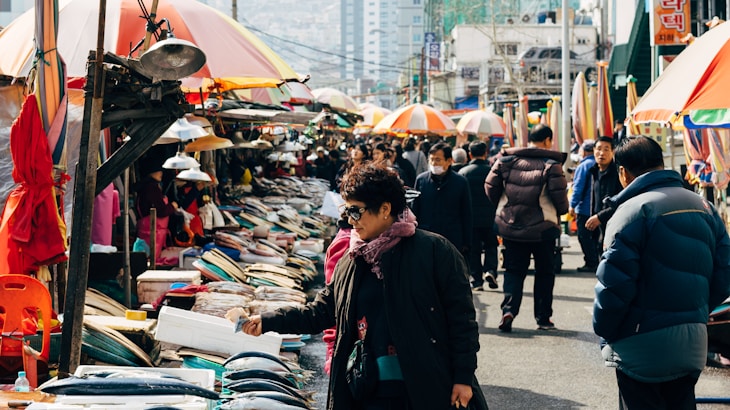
<point>670,21</point>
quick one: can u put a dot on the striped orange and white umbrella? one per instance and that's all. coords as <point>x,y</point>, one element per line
<point>604,112</point>
<point>581,115</point>
<point>417,119</point>
<point>481,123</point>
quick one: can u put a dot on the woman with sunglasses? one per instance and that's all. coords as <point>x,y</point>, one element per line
<point>405,294</point>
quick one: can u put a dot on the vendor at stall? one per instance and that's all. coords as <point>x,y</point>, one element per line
<point>150,195</point>
<point>193,194</point>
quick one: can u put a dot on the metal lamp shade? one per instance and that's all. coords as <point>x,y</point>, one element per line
<point>180,161</point>
<point>194,174</point>
<point>172,59</point>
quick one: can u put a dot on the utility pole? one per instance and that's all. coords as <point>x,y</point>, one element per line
<point>234,9</point>
<point>564,145</point>
<point>410,63</point>
<point>421,75</point>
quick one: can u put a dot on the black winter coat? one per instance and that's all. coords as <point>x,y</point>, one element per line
<point>483,210</point>
<point>446,208</point>
<point>431,319</point>
<point>604,186</point>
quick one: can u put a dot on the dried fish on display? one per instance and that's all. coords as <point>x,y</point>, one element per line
<point>217,304</point>
<point>103,304</point>
<point>232,287</point>
<point>272,293</point>
<point>123,385</point>
<point>265,400</point>
<point>254,385</point>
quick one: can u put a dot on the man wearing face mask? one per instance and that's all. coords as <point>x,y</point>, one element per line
<point>444,206</point>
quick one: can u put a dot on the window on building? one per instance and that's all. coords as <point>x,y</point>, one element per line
<point>416,19</point>
<point>417,38</point>
<point>416,2</point>
<point>509,49</point>
<point>4,5</point>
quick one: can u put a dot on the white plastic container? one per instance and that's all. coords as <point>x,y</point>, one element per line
<point>201,377</point>
<point>154,283</point>
<point>211,333</point>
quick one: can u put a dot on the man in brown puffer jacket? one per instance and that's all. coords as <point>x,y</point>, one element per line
<point>529,189</point>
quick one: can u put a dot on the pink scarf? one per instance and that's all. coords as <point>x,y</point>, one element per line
<point>403,227</point>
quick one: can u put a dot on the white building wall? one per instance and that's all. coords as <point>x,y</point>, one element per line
<point>17,7</point>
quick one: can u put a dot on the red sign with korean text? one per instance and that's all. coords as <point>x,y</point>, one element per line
<point>670,21</point>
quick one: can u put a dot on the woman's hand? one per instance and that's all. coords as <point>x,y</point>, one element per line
<point>461,395</point>
<point>253,326</point>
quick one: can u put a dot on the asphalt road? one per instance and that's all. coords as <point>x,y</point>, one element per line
<point>533,369</point>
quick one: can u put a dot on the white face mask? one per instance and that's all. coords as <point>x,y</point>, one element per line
<point>436,169</point>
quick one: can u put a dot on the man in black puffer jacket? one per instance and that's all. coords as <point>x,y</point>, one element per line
<point>667,265</point>
<point>529,188</point>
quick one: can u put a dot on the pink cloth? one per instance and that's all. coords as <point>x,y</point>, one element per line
<point>105,208</point>
<point>337,248</point>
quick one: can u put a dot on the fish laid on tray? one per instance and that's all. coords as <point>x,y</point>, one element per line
<point>119,383</point>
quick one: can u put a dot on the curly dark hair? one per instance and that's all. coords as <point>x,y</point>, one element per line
<point>374,185</point>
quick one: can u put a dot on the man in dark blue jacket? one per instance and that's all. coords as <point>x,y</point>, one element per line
<point>484,234</point>
<point>667,265</point>
<point>444,205</point>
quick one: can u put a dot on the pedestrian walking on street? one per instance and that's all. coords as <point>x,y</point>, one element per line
<point>484,235</point>
<point>401,295</point>
<point>444,205</point>
<point>529,188</point>
<point>580,207</point>
<point>606,184</point>
<point>666,267</point>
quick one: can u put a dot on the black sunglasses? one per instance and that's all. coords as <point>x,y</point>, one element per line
<point>354,212</point>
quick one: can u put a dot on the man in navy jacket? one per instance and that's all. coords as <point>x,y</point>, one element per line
<point>667,265</point>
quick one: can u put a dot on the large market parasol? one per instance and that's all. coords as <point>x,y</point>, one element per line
<point>417,119</point>
<point>693,87</point>
<point>583,125</point>
<point>33,231</point>
<point>522,129</point>
<point>555,122</point>
<point>481,123</point>
<point>509,124</point>
<point>235,57</point>
<point>371,115</point>
<point>336,99</point>
<point>288,93</point>
<point>604,112</point>
<point>632,99</point>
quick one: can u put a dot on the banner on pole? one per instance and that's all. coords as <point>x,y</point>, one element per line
<point>670,21</point>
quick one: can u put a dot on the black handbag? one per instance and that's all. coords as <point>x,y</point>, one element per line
<point>362,372</point>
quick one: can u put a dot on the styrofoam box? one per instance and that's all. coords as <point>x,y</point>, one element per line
<point>201,377</point>
<point>208,332</point>
<point>154,283</point>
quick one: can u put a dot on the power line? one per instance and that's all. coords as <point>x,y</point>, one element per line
<point>252,28</point>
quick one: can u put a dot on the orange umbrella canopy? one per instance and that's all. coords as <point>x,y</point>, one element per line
<point>235,57</point>
<point>583,127</point>
<point>694,85</point>
<point>417,119</point>
<point>604,112</point>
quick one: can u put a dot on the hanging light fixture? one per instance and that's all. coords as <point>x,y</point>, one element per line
<point>183,130</point>
<point>180,161</point>
<point>171,58</point>
<point>194,174</point>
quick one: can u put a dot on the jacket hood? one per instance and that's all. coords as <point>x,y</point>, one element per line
<point>531,152</point>
<point>647,182</point>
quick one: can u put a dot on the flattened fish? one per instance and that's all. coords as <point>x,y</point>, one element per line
<point>126,386</point>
